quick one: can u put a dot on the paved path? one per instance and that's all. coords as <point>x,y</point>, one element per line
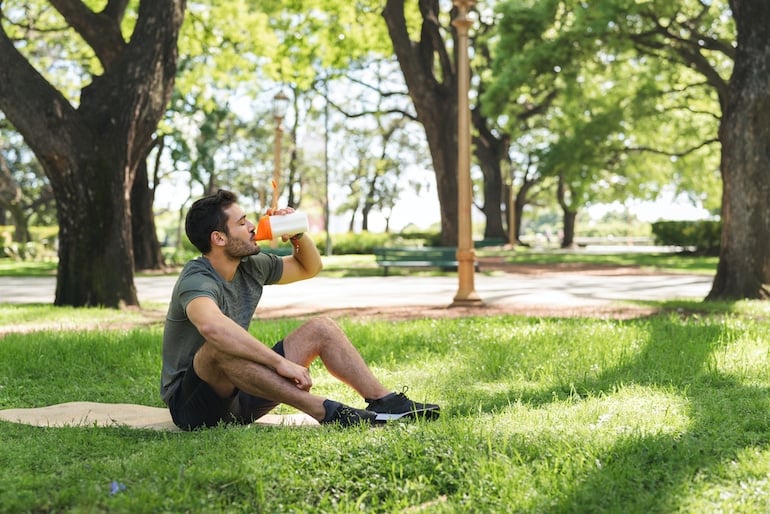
<point>551,289</point>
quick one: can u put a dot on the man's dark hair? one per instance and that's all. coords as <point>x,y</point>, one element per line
<point>207,215</point>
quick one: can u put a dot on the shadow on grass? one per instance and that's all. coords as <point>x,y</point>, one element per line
<point>648,473</point>
<point>659,465</point>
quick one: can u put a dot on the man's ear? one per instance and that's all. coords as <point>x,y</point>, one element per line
<point>218,238</point>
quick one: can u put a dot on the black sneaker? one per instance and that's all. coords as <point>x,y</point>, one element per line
<point>397,405</point>
<point>345,416</point>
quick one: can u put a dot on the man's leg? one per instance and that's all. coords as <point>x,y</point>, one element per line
<point>225,373</point>
<point>323,338</point>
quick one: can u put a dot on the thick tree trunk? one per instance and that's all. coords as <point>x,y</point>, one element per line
<point>744,260</point>
<point>431,78</point>
<point>90,154</point>
<point>95,250</point>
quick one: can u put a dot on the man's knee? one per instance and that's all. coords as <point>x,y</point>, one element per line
<point>324,325</point>
<point>209,365</point>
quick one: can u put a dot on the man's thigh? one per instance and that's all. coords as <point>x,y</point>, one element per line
<point>196,404</point>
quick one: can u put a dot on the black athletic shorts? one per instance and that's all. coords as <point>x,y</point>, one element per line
<point>195,404</point>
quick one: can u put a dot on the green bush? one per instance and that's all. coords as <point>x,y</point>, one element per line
<point>41,247</point>
<point>361,243</point>
<point>418,238</point>
<point>702,236</point>
<point>366,242</point>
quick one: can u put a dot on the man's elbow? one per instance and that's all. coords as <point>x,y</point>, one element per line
<point>210,331</point>
<point>312,268</point>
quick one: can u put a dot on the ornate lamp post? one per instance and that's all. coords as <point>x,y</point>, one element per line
<point>280,106</point>
<point>466,293</point>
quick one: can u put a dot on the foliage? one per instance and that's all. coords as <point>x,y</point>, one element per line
<point>41,247</point>
<point>628,93</point>
<point>704,235</point>
<point>358,243</point>
<point>659,414</point>
<point>365,242</point>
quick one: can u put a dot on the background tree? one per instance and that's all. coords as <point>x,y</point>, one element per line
<point>90,150</point>
<point>744,259</point>
<point>431,77</point>
<point>24,191</point>
<point>684,52</point>
<point>144,235</point>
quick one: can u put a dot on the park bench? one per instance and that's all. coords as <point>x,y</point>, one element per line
<point>442,257</point>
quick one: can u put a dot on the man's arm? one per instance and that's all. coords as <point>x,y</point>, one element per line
<point>230,338</point>
<point>304,262</point>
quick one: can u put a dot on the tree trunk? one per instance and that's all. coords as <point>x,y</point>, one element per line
<point>490,152</point>
<point>518,214</point>
<point>95,247</point>
<point>568,222</point>
<point>744,260</point>
<point>147,249</point>
<point>21,232</point>
<point>11,202</point>
<point>90,154</point>
<point>569,215</point>
<point>431,78</point>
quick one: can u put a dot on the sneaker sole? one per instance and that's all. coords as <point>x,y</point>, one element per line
<point>427,414</point>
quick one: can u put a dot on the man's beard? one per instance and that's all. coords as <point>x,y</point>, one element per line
<point>237,248</point>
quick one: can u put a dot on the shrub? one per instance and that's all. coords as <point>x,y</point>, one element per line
<point>702,236</point>
<point>41,248</point>
<point>361,243</point>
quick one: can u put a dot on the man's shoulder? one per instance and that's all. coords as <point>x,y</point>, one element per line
<point>262,261</point>
<point>197,265</point>
<point>198,270</point>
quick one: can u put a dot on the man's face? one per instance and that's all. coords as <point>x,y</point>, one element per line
<point>240,237</point>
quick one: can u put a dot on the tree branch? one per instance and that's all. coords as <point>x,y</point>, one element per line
<point>683,153</point>
<point>100,30</point>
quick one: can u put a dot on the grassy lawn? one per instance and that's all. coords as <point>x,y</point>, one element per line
<point>663,261</point>
<point>12,268</point>
<point>669,413</point>
<point>365,265</point>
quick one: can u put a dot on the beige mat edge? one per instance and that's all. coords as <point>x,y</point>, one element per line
<point>131,415</point>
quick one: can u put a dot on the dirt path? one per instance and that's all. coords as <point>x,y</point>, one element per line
<point>149,317</point>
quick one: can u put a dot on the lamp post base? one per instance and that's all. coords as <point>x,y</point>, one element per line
<point>467,300</point>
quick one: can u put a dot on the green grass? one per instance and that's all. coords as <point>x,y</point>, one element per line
<point>665,261</point>
<point>668,413</point>
<point>28,317</point>
<point>365,265</point>
<point>14,268</point>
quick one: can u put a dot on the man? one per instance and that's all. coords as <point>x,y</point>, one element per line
<point>215,371</point>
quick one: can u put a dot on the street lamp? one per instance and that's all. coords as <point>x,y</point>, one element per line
<point>280,106</point>
<point>466,256</point>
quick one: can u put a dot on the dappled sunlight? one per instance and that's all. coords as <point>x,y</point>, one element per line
<point>630,411</point>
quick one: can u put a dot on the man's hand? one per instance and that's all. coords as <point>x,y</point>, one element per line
<point>296,373</point>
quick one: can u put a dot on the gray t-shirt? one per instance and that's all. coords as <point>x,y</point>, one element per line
<point>237,299</point>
